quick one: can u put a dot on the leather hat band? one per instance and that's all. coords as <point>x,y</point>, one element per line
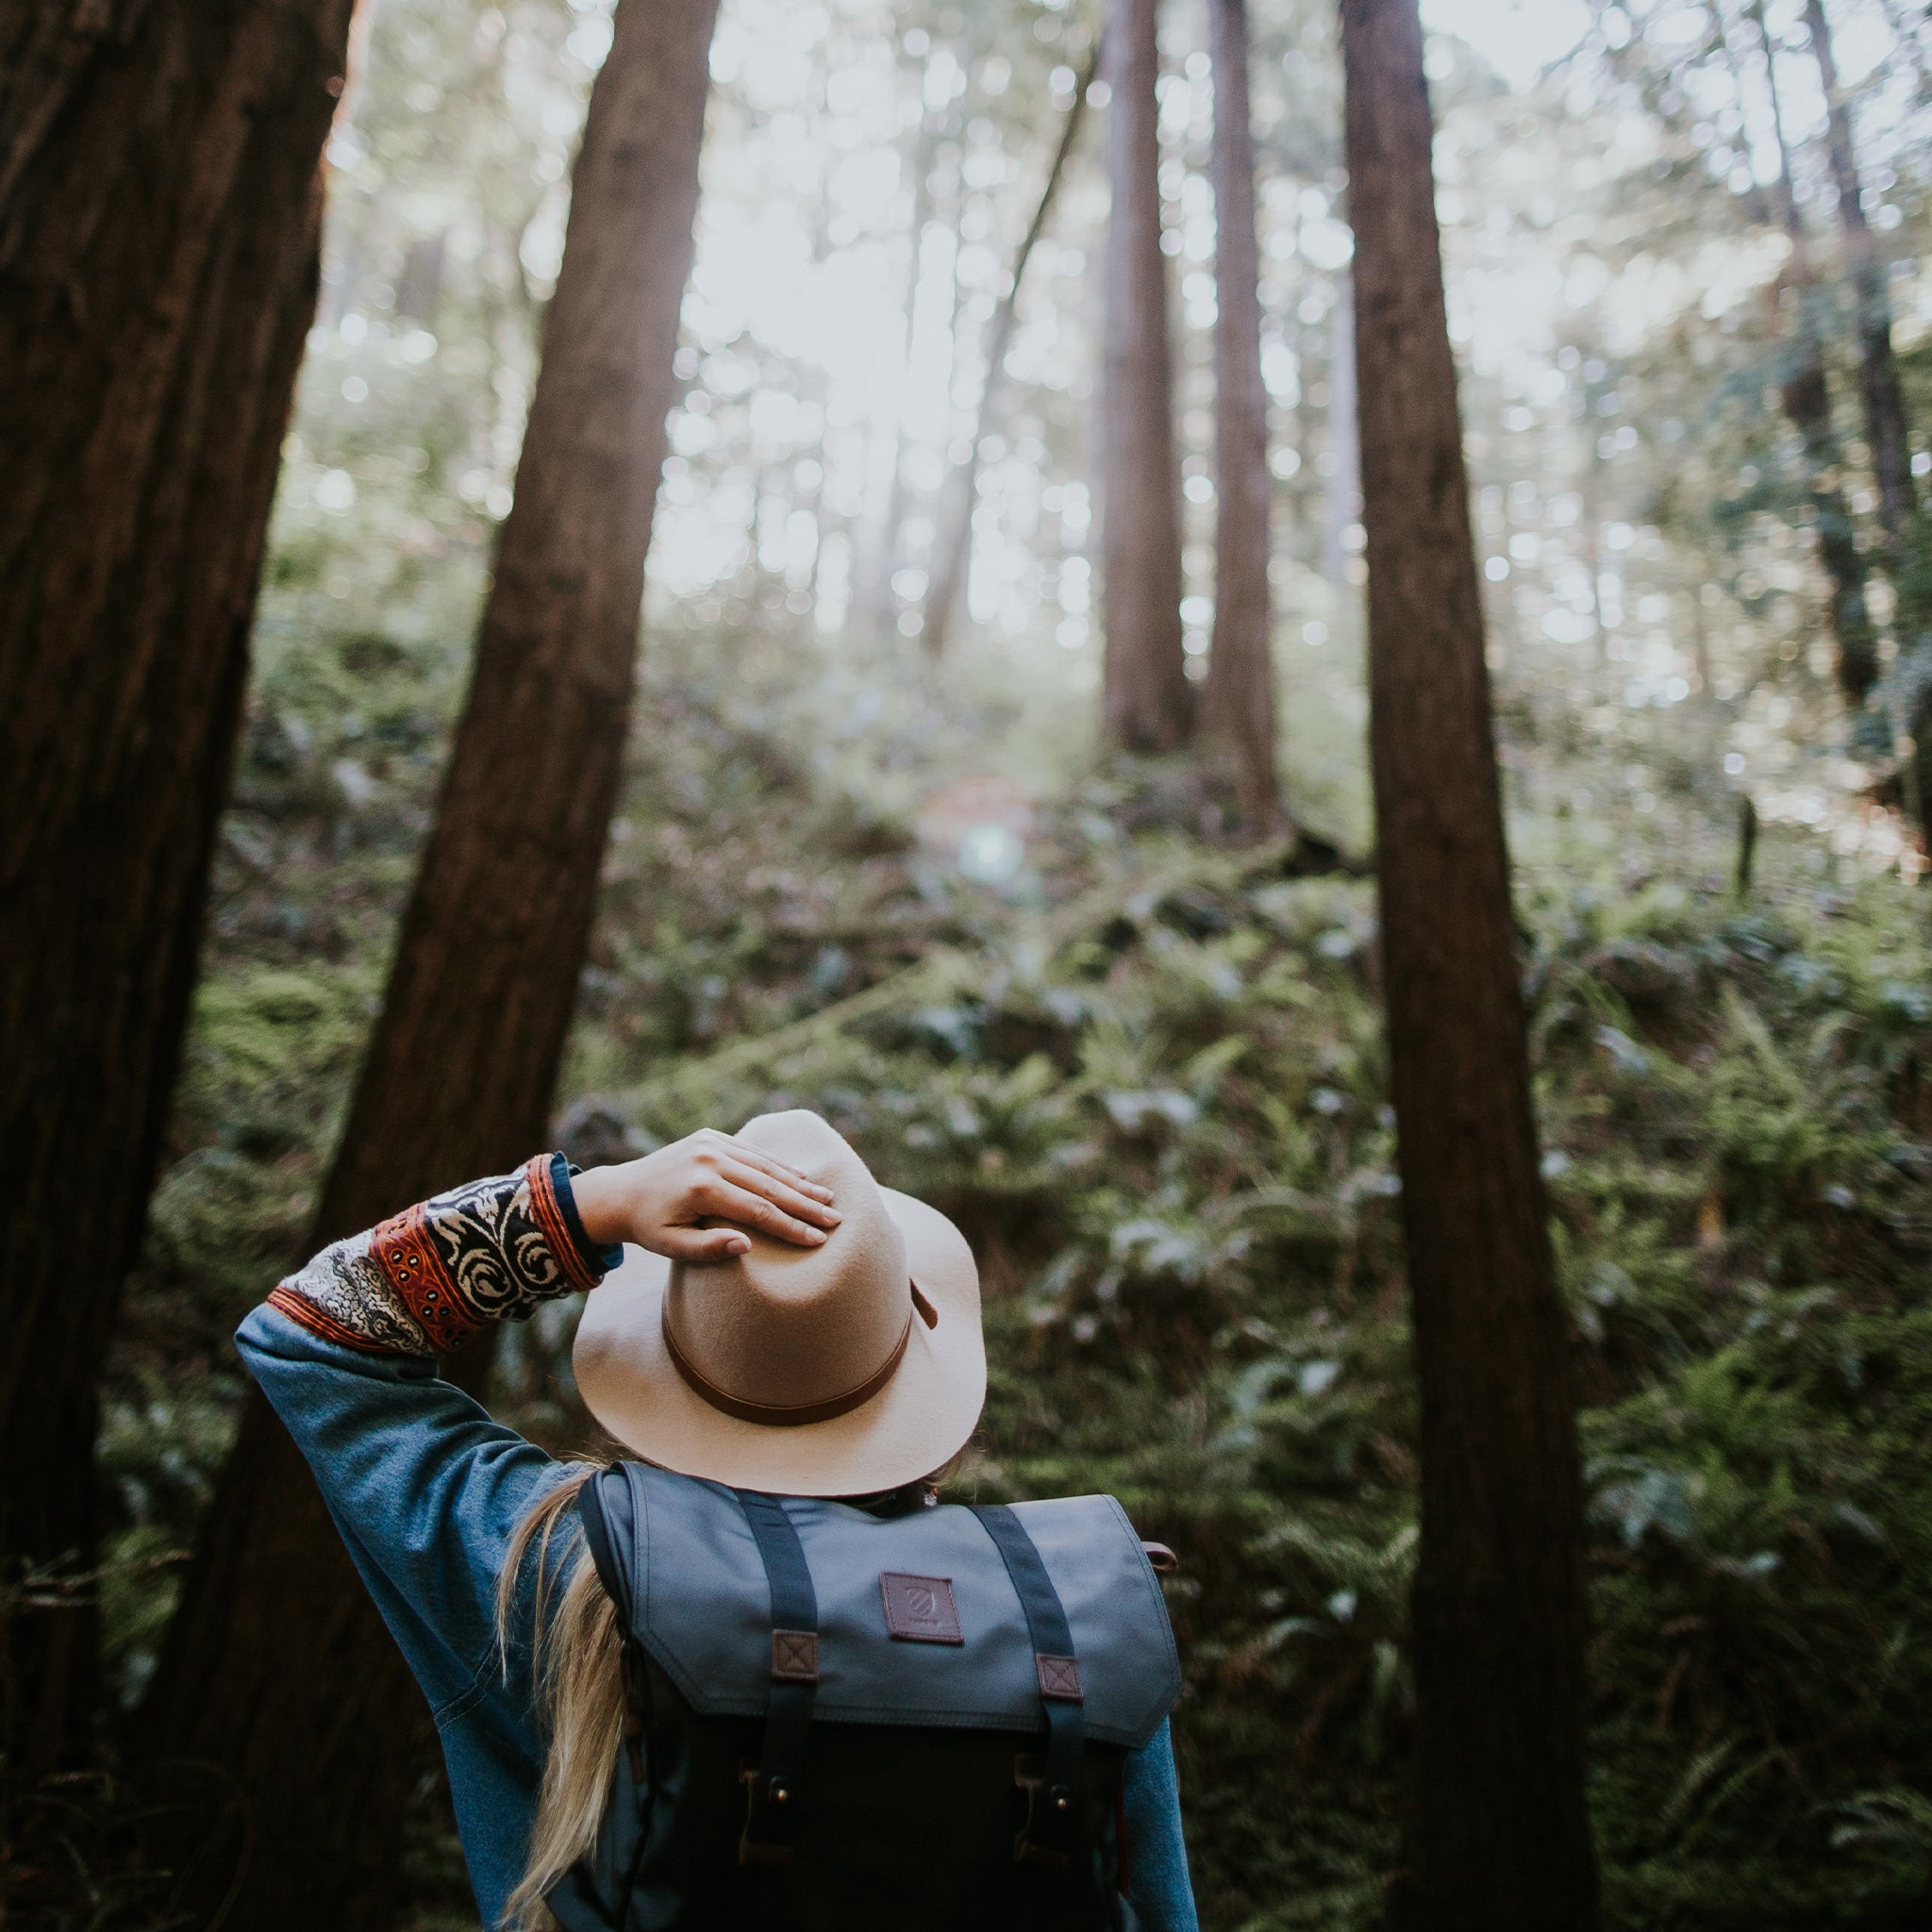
<point>784,1415</point>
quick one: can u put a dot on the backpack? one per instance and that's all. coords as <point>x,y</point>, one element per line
<point>837,1719</point>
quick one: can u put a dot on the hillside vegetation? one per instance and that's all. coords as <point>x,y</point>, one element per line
<point>1145,1074</point>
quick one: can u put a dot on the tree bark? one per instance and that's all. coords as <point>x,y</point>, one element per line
<point>954,546</point>
<point>160,208</point>
<point>1885,407</point>
<point>1238,702</point>
<point>1806,393</point>
<point>277,1671</point>
<point>1496,1832</point>
<point>1148,702</point>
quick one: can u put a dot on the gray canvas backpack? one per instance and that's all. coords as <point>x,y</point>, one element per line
<point>838,1719</point>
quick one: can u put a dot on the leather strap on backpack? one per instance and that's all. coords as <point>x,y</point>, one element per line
<point>771,1785</point>
<point>1053,1784</point>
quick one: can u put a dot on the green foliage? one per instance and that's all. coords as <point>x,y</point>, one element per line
<point>1145,1073</point>
<point>1146,1077</point>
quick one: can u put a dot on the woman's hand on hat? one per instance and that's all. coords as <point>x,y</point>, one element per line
<point>665,1201</point>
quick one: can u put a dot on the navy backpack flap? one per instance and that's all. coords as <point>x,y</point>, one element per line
<point>959,1656</point>
<point>837,1716</point>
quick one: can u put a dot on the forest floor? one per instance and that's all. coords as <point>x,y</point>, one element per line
<point>1141,1066</point>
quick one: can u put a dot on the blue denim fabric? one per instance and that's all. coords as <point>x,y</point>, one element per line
<point>427,1491</point>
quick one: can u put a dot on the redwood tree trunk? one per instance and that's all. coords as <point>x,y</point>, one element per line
<point>1148,704</point>
<point>1885,405</point>
<point>1240,697</point>
<point>1496,1834</point>
<point>159,201</point>
<point>1806,393</point>
<point>955,545</point>
<point>277,1671</point>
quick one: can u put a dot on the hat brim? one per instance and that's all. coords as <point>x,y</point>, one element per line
<point>915,1425</point>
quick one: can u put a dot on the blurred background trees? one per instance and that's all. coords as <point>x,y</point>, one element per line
<point>1139,1060</point>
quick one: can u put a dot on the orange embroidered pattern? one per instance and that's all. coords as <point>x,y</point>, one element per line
<point>299,1309</point>
<point>403,1249</point>
<point>547,1212</point>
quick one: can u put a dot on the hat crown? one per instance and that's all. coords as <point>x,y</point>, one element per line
<point>786,1327</point>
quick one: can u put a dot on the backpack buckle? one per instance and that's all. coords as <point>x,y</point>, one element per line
<point>768,1802</point>
<point>1049,1828</point>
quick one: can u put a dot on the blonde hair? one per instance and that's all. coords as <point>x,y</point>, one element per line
<point>577,1662</point>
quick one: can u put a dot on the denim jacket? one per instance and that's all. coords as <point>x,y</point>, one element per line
<point>427,1491</point>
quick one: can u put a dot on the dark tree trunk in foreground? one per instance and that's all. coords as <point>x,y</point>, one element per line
<point>1240,699</point>
<point>1147,702</point>
<point>159,207</point>
<point>1806,396</point>
<point>955,545</point>
<point>1497,1834</point>
<point>1885,405</point>
<point>277,1671</point>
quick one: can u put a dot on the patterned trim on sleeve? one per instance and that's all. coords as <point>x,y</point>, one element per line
<point>344,1296</point>
<point>488,1252</point>
<point>426,1280</point>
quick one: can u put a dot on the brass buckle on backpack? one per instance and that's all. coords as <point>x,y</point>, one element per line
<point>1049,1816</point>
<point>766,1817</point>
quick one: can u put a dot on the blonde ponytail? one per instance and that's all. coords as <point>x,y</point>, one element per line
<point>577,1664</point>
<point>578,1669</point>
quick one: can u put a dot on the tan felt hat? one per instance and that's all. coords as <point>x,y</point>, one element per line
<point>835,1371</point>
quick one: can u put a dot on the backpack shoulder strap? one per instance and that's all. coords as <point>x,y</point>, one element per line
<point>592,1507</point>
<point>1050,1833</point>
<point>770,1786</point>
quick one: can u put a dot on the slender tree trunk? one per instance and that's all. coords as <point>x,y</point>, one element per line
<point>877,595</point>
<point>277,1671</point>
<point>159,208</point>
<point>1497,1834</point>
<point>1238,704</point>
<point>955,545</point>
<point>1148,703</point>
<point>1342,501</point>
<point>1885,408</point>
<point>1806,397</point>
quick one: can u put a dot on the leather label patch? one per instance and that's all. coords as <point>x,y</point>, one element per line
<point>1059,1677</point>
<point>920,1609</point>
<point>795,1657</point>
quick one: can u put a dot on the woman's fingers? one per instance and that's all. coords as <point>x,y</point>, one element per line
<point>704,1243</point>
<point>743,1152</point>
<point>781,1193</point>
<point>725,1200</point>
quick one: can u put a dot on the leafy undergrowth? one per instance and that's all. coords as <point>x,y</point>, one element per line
<point>1166,1134</point>
<point>1144,1074</point>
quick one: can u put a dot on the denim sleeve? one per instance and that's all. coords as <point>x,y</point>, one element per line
<point>425,1487</point>
<point>1159,1887</point>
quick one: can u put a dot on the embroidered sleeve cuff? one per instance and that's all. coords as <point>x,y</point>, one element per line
<point>426,1280</point>
<point>599,1259</point>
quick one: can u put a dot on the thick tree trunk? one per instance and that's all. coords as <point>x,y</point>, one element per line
<point>955,545</point>
<point>1497,1834</point>
<point>1806,396</point>
<point>277,1671</point>
<point>160,208</point>
<point>1148,703</point>
<point>1240,698</point>
<point>1885,405</point>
